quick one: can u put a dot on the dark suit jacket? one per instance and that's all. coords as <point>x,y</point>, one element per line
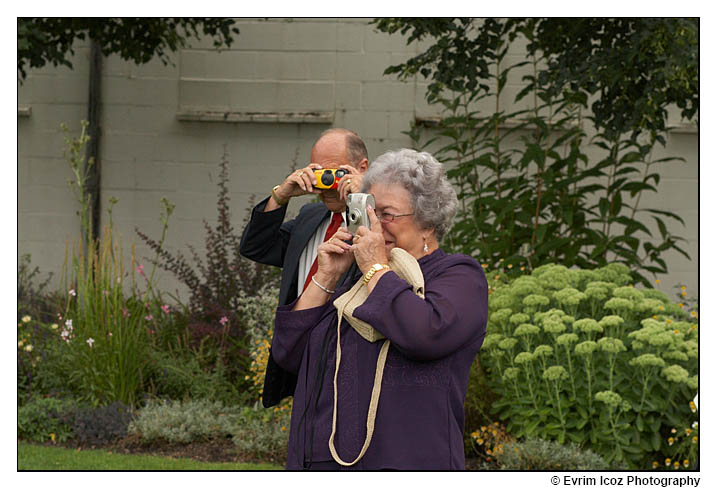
<point>267,239</point>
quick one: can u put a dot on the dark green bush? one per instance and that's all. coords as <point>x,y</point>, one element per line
<point>537,454</point>
<point>581,356</point>
<point>43,419</point>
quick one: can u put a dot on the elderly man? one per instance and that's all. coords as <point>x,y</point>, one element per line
<point>293,245</point>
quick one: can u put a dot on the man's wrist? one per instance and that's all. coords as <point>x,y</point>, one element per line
<point>277,198</point>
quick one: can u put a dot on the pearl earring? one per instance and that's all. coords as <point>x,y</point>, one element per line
<point>426,247</point>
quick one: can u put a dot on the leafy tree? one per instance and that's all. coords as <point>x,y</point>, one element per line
<point>548,202</point>
<point>49,40</point>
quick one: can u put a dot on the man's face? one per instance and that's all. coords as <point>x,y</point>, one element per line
<point>331,152</point>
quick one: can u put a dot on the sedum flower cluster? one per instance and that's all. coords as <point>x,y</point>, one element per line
<point>563,345</point>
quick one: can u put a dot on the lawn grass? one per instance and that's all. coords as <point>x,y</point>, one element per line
<point>35,457</point>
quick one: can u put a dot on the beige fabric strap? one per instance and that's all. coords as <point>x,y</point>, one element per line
<point>408,269</point>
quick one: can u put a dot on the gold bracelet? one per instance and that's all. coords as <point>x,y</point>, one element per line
<point>276,197</point>
<point>374,269</point>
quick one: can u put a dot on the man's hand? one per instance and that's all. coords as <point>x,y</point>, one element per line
<point>298,183</point>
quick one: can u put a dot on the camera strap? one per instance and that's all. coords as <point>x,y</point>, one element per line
<point>406,267</point>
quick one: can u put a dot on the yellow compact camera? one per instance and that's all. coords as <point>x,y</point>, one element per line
<point>328,178</point>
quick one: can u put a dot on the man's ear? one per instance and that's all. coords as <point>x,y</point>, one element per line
<point>363,165</point>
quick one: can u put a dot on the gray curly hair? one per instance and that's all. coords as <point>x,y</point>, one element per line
<point>433,199</point>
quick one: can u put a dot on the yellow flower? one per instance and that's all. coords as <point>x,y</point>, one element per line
<point>658,281</point>
<point>688,431</point>
<point>686,463</point>
<point>284,428</point>
<point>479,441</point>
<point>485,266</point>
<point>683,293</point>
<point>694,314</point>
<point>53,326</point>
<point>52,436</point>
<point>655,465</point>
<point>26,319</point>
<point>510,266</point>
<point>693,406</point>
<point>694,440</point>
<point>676,465</point>
<point>668,461</point>
<point>28,348</point>
<point>671,441</point>
<point>20,344</point>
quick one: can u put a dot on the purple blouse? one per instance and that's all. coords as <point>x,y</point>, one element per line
<point>420,417</point>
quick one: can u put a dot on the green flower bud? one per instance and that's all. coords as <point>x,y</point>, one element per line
<point>611,345</point>
<point>693,382</point>
<point>555,373</point>
<point>510,373</point>
<point>536,300</point>
<point>587,325</point>
<point>567,339</point>
<point>618,304</point>
<point>554,326</point>
<point>585,348</point>
<point>508,343</point>
<point>675,374</point>
<point>543,350</point>
<point>610,398</point>
<point>647,361</point>
<point>616,273</point>
<point>518,318</point>
<point>500,316</point>
<point>675,355</point>
<point>660,340</point>
<point>628,293</point>
<point>596,293</point>
<point>527,329</point>
<point>655,294</point>
<point>611,321</point>
<point>569,296</point>
<point>650,306</point>
<point>492,340</point>
<point>524,357</point>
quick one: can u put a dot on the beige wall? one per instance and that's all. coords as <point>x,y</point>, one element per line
<point>266,99</point>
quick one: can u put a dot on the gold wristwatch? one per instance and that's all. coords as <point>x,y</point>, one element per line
<point>374,269</point>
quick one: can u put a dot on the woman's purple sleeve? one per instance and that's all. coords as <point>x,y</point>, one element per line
<point>291,334</point>
<point>452,315</point>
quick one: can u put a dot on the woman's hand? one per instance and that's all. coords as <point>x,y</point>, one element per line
<point>369,246</point>
<point>350,183</point>
<point>334,257</point>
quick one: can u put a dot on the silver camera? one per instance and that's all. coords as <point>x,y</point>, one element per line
<point>356,211</point>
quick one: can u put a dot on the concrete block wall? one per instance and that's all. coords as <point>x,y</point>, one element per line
<point>164,131</point>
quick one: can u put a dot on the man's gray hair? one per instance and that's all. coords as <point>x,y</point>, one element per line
<point>356,149</point>
<point>433,199</point>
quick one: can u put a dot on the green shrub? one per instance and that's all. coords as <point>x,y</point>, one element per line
<point>43,419</point>
<point>262,435</point>
<point>582,356</point>
<point>184,422</point>
<point>537,454</point>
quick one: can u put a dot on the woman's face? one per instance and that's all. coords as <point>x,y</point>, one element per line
<point>403,231</point>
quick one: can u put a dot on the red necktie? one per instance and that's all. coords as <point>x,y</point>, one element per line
<point>334,225</point>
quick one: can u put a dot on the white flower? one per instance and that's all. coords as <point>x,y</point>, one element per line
<point>28,348</point>
<point>90,341</point>
<point>68,324</point>
<point>26,319</point>
<point>72,292</point>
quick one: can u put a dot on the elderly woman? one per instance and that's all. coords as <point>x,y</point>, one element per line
<point>419,419</point>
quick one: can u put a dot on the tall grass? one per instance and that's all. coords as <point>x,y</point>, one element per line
<point>105,338</point>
